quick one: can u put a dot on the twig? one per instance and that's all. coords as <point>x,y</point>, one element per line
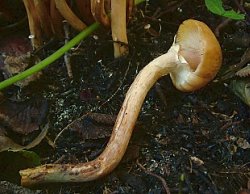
<point>59,160</point>
<point>67,54</point>
<point>117,90</point>
<point>60,133</point>
<point>229,124</point>
<point>164,183</point>
<point>223,24</point>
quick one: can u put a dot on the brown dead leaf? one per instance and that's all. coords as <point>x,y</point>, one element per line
<point>13,65</point>
<point>7,144</point>
<point>15,57</point>
<point>244,72</point>
<point>93,125</point>
<point>15,45</point>
<point>231,72</point>
<point>242,89</point>
<point>22,117</point>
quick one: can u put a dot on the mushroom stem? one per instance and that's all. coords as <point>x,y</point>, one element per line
<point>121,134</point>
<point>119,28</point>
<point>34,24</point>
<point>44,16</point>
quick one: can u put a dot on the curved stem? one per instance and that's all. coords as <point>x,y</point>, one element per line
<point>69,15</point>
<point>99,13</point>
<point>120,136</point>
<point>84,10</point>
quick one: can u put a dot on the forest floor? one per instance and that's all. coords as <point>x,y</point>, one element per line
<point>189,142</point>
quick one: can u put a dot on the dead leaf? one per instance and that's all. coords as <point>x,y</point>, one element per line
<point>242,89</point>
<point>15,57</point>
<point>22,117</point>
<point>13,65</point>
<point>244,72</point>
<point>15,45</point>
<point>6,144</point>
<point>93,125</point>
<point>231,71</point>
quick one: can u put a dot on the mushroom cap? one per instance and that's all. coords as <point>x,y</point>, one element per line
<point>201,50</point>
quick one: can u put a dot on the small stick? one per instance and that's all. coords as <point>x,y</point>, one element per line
<point>164,183</point>
<point>67,55</point>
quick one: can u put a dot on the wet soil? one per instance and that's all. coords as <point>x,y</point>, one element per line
<point>191,140</point>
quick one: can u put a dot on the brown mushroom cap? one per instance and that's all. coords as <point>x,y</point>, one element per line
<point>201,50</point>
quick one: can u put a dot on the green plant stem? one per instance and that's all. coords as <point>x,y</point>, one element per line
<point>56,55</point>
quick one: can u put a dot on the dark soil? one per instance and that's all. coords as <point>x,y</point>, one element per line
<point>191,140</point>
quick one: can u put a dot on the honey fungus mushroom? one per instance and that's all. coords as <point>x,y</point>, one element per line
<point>192,61</point>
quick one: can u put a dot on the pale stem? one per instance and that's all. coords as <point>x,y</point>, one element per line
<point>119,28</point>
<point>120,136</point>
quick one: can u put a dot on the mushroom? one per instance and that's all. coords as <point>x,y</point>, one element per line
<point>192,61</point>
